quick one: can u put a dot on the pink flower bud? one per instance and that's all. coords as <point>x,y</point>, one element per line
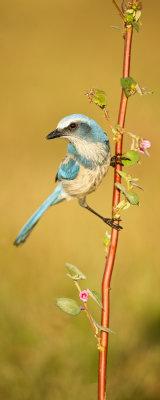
<point>146,144</point>
<point>132,91</point>
<point>83,295</point>
<point>140,150</point>
<point>143,89</point>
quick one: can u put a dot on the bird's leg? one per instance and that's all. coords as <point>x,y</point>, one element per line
<point>117,159</point>
<point>108,221</point>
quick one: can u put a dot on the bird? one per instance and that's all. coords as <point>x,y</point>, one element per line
<point>85,164</point>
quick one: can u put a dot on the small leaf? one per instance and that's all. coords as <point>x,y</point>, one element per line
<point>121,187</point>
<point>134,5</point>
<point>135,184</point>
<point>100,100</point>
<point>129,18</point>
<point>129,11</point>
<point>137,16</point>
<point>69,306</point>
<point>102,328</point>
<point>127,206</point>
<point>133,156</point>
<point>132,198</point>
<point>119,128</point>
<point>97,96</point>
<point>116,27</point>
<point>95,296</point>
<point>138,89</point>
<point>99,91</point>
<point>136,26</point>
<point>135,179</point>
<point>107,239</point>
<point>122,174</point>
<point>99,327</point>
<point>127,93</point>
<point>149,92</point>
<point>121,205</point>
<point>127,82</point>
<point>74,272</point>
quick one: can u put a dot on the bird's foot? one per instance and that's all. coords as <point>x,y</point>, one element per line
<point>110,222</point>
<point>117,159</point>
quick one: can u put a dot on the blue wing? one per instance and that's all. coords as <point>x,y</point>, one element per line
<point>68,169</point>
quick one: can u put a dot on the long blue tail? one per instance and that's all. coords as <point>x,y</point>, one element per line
<point>56,197</point>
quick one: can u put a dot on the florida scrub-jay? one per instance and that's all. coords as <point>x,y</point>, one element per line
<point>82,170</point>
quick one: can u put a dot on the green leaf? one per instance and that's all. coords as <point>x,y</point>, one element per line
<point>119,128</point>
<point>121,187</point>
<point>116,27</point>
<point>135,26</point>
<point>129,11</point>
<point>134,5</point>
<point>134,179</point>
<point>99,97</point>
<point>123,205</point>
<point>122,174</point>
<point>130,180</point>
<point>138,89</point>
<point>99,91</point>
<point>95,296</point>
<point>127,93</point>
<point>132,198</point>
<point>100,100</point>
<point>120,205</point>
<point>135,184</point>
<point>126,206</point>
<point>69,306</point>
<point>137,16</point>
<point>129,18</point>
<point>133,156</point>
<point>74,272</point>
<point>127,82</point>
<point>102,328</point>
<point>106,240</point>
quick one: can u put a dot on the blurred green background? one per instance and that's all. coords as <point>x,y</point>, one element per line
<point>51,51</point>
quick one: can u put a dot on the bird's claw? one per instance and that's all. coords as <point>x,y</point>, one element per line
<point>117,159</point>
<point>110,222</point>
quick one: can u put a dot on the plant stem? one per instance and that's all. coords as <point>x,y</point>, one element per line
<point>120,12</point>
<point>93,326</point>
<point>114,236</point>
<point>107,119</point>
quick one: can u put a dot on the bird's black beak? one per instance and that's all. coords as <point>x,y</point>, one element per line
<point>54,134</point>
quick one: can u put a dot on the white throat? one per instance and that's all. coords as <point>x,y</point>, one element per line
<point>90,150</point>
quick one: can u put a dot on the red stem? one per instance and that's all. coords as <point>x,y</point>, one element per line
<point>114,237</point>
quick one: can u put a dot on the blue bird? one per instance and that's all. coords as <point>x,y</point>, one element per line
<point>82,170</point>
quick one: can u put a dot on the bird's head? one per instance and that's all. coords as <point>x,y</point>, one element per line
<point>79,127</point>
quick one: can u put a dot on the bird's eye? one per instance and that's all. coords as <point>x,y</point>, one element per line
<point>73,125</point>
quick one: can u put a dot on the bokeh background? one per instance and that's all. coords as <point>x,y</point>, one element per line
<point>51,52</point>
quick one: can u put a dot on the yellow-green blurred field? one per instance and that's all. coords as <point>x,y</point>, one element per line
<point>51,52</point>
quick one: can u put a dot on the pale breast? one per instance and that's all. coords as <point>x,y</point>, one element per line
<point>86,182</point>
